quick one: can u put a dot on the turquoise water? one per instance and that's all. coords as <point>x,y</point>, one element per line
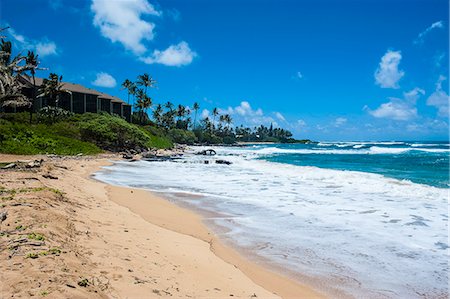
<point>419,162</point>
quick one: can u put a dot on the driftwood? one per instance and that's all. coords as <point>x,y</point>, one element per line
<point>49,176</point>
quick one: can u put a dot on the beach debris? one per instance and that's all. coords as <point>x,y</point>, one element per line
<point>223,162</point>
<point>9,166</point>
<point>49,176</point>
<point>83,283</point>
<point>34,164</point>
<point>3,216</point>
<point>208,152</point>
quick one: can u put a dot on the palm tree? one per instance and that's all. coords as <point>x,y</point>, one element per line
<point>32,61</point>
<point>169,106</point>
<point>126,85</point>
<point>215,112</point>
<point>143,103</point>
<point>146,81</point>
<point>132,89</point>
<point>157,114</point>
<point>181,111</point>
<point>53,88</point>
<point>196,107</point>
<point>228,120</point>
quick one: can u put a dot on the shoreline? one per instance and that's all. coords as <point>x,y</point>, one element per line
<point>122,252</point>
<point>139,199</point>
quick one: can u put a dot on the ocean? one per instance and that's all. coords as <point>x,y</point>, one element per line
<point>369,219</point>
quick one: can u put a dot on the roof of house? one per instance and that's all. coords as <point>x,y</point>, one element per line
<point>74,88</point>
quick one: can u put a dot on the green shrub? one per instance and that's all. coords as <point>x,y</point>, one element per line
<point>25,139</point>
<point>182,136</point>
<point>50,115</point>
<point>229,140</point>
<point>111,132</point>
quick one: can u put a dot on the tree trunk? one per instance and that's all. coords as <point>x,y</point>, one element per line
<point>34,99</point>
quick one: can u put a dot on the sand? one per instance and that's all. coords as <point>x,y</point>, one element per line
<point>90,240</point>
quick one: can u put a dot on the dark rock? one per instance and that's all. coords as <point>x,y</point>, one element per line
<point>208,152</point>
<point>127,156</point>
<point>223,162</point>
<point>206,162</point>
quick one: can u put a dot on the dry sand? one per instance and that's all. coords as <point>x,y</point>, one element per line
<point>125,243</point>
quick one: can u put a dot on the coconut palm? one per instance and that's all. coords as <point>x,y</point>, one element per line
<point>228,120</point>
<point>215,112</point>
<point>196,107</point>
<point>145,80</point>
<point>53,89</point>
<point>132,90</point>
<point>157,114</point>
<point>169,106</point>
<point>126,85</point>
<point>32,61</point>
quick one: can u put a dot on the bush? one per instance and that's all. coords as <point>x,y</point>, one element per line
<point>50,115</point>
<point>24,139</point>
<point>182,136</point>
<point>111,132</point>
<point>229,140</point>
<point>206,137</point>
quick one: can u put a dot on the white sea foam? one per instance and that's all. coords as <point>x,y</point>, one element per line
<point>369,235</point>
<point>355,150</point>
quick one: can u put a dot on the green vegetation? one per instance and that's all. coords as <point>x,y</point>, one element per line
<point>32,255</point>
<point>83,283</point>
<point>88,134</point>
<point>35,236</point>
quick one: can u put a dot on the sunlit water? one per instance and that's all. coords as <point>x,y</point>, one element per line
<point>371,219</point>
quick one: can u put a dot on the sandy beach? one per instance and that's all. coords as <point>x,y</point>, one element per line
<point>67,235</point>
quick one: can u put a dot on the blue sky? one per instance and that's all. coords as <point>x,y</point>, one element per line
<point>324,69</point>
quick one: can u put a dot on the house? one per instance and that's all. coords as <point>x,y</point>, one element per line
<point>80,99</point>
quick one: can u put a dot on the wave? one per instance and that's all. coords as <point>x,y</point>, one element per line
<point>355,150</point>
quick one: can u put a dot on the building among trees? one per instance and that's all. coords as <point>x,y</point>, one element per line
<point>78,99</point>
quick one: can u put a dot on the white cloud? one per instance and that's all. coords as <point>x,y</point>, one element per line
<point>42,47</point>
<point>46,48</point>
<point>399,109</point>
<point>301,123</point>
<point>387,74</point>
<point>246,115</point>
<point>104,80</point>
<point>205,113</point>
<point>121,21</point>
<point>340,121</point>
<point>175,55</point>
<point>439,98</point>
<point>280,116</point>
<point>421,36</point>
